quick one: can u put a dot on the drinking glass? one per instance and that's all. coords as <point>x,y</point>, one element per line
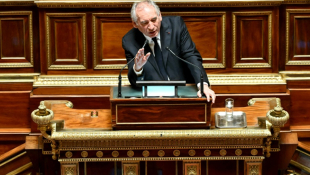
<point>229,105</point>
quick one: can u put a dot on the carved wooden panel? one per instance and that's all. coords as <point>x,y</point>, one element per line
<point>253,167</point>
<point>66,41</point>
<point>70,169</point>
<point>298,37</point>
<point>207,30</point>
<point>16,39</point>
<point>107,39</point>
<point>131,168</point>
<point>191,167</point>
<point>252,39</point>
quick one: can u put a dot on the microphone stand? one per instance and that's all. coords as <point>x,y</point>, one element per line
<point>120,76</point>
<point>201,76</point>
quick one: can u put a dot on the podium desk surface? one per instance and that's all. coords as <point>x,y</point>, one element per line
<point>82,119</point>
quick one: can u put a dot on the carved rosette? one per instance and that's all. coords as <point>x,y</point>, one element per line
<point>100,154</point>
<point>223,152</point>
<point>130,153</point>
<point>161,153</point>
<point>254,152</point>
<point>42,116</point>
<point>238,152</point>
<point>176,153</point>
<point>116,153</point>
<point>69,154</point>
<point>84,154</point>
<point>146,153</point>
<point>207,152</point>
<point>192,152</point>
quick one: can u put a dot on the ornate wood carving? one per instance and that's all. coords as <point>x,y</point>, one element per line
<point>191,167</point>
<point>70,169</point>
<point>253,167</point>
<point>131,168</point>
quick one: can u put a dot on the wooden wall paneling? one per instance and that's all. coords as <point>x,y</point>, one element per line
<point>297,38</point>
<point>66,41</point>
<point>14,107</point>
<point>252,39</point>
<point>108,31</point>
<point>16,39</point>
<point>300,111</point>
<point>208,31</point>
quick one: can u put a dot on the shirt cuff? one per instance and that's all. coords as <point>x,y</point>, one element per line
<point>198,84</point>
<point>137,73</point>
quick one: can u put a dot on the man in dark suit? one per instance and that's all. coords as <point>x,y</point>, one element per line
<point>153,33</point>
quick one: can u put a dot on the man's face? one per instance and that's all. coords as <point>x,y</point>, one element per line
<point>147,20</point>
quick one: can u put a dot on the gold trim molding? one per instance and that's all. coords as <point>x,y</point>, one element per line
<point>26,64</point>
<point>161,3</point>
<point>288,61</point>
<point>112,80</point>
<point>234,45</point>
<point>48,38</point>
<point>299,165</point>
<point>20,169</point>
<point>160,159</point>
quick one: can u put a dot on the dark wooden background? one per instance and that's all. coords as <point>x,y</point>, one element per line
<point>55,39</point>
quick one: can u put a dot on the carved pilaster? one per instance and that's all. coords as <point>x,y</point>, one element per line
<point>191,167</point>
<point>253,167</point>
<point>70,169</point>
<point>131,168</point>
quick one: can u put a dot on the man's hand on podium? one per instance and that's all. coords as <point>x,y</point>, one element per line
<point>208,92</point>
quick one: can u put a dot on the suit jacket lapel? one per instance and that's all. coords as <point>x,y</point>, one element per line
<point>165,38</point>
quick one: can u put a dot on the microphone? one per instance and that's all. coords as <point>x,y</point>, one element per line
<point>201,76</point>
<point>120,76</point>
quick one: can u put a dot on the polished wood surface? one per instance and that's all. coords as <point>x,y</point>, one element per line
<point>15,105</point>
<point>12,152</point>
<point>79,118</point>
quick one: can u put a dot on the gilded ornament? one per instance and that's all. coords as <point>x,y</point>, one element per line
<point>69,154</point>
<point>192,170</point>
<point>116,154</point>
<point>84,153</point>
<point>69,171</point>
<point>146,153</point>
<point>176,152</point>
<point>130,153</point>
<point>192,152</point>
<point>99,154</point>
<point>254,152</point>
<point>223,152</point>
<point>161,153</point>
<point>207,152</point>
<point>238,152</point>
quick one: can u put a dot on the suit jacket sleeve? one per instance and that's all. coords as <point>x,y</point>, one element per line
<point>190,53</point>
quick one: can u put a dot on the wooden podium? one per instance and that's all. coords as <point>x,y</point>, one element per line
<point>179,137</point>
<point>136,112</point>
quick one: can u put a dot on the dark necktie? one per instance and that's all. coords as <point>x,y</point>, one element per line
<point>159,59</point>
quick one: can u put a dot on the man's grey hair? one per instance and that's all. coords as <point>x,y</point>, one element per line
<point>134,17</point>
